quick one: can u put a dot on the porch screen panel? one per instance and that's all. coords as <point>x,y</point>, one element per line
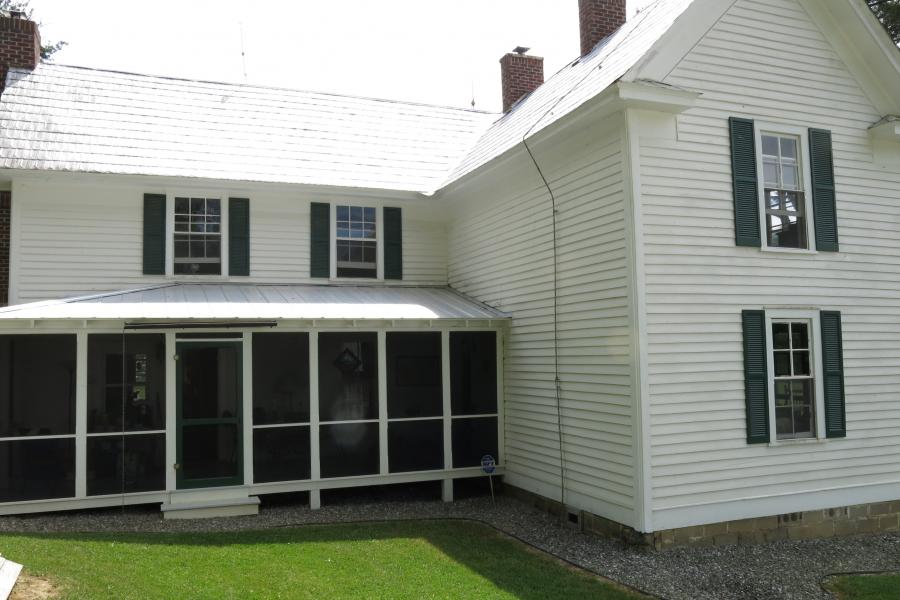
<point>348,404</point>
<point>281,432</point>
<point>126,380</point>
<point>37,400</point>
<point>473,397</point>
<point>414,401</point>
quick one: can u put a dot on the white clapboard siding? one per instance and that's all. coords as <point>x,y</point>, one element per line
<point>765,60</point>
<point>500,252</point>
<point>73,240</point>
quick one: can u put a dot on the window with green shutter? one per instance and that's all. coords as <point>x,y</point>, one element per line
<point>822,174</point>
<point>833,367</point>
<point>239,236</point>
<point>745,183</point>
<point>393,243</point>
<point>756,379</point>
<point>154,234</point>
<point>320,246</point>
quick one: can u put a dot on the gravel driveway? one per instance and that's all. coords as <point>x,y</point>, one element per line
<point>786,569</point>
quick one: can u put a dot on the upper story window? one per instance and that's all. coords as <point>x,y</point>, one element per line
<point>783,192</point>
<point>356,241</point>
<point>793,380</point>
<point>198,236</point>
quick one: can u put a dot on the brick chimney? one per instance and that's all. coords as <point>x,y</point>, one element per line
<point>598,19</point>
<point>20,44</point>
<point>520,74</point>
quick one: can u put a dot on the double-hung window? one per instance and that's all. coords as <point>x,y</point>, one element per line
<point>356,241</point>
<point>198,236</point>
<point>784,198</point>
<point>794,382</point>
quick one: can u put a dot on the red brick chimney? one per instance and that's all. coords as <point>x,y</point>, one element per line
<point>20,44</point>
<point>598,19</point>
<point>520,74</point>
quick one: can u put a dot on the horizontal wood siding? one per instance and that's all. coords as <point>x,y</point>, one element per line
<point>500,252</point>
<point>87,238</point>
<point>767,61</point>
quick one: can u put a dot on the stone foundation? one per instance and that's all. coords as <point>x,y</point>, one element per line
<point>811,524</point>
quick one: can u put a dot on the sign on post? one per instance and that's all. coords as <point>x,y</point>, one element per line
<point>489,465</point>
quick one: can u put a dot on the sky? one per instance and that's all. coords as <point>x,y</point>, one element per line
<point>415,50</point>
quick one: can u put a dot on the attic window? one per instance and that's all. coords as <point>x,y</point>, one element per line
<point>356,241</point>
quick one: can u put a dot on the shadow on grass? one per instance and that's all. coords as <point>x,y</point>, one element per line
<point>507,564</point>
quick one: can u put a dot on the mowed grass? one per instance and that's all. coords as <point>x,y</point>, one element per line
<point>430,559</point>
<point>867,587</point>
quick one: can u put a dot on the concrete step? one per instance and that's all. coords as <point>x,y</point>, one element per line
<point>210,508</point>
<point>9,574</point>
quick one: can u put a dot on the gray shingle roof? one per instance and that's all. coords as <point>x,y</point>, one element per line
<point>76,119</point>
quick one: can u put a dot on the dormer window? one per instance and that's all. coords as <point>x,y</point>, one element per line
<point>356,241</point>
<point>198,236</point>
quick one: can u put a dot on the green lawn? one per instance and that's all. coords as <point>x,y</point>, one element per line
<point>867,587</point>
<point>431,559</point>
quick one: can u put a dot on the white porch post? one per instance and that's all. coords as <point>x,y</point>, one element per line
<point>384,467</point>
<point>248,407</point>
<point>81,356</point>
<point>315,496</point>
<point>446,484</point>
<point>171,417</point>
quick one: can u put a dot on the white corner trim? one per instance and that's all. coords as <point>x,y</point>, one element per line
<point>652,95</point>
<point>887,129</point>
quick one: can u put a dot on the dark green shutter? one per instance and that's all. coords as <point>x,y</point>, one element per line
<point>239,236</point>
<point>756,377</point>
<point>821,163</point>
<point>393,244</point>
<point>833,364</point>
<point>746,185</point>
<point>320,234</point>
<point>154,234</point>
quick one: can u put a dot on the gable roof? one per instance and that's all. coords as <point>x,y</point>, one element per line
<point>77,119</point>
<point>62,118</point>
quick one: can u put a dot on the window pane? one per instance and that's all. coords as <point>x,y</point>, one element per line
<point>786,232</point>
<point>211,380</point>
<point>770,173</point>
<point>472,439</point>
<point>782,364</point>
<point>37,385</point>
<point>281,454</point>
<point>782,393</point>
<point>370,215</point>
<point>770,145</point>
<point>144,468</point>
<point>789,148</point>
<point>799,335</point>
<point>192,268</point>
<point>210,451</point>
<point>349,449</point>
<point>348,376</point>
<point>144,392</point>
<point>182,205</point>
<point>784,424</point>
<point>343,213</point>
<point>356,213</point>
<point>473,372</point>
<point>198,206</point>
<point>280,378</point>
<point>780,337</point>
<point>414,385</point>
<point>37,469</point>
<point>790,177</point>
<point>416,445</point>
<point>801,363</point>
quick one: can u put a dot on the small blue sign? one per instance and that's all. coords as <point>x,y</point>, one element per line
<point>488,464</point>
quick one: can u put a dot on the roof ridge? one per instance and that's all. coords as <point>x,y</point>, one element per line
<point>258,87</point>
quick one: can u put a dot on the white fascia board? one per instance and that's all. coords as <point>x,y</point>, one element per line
<point>687,30</point>
<point>864,46</point>
<point>887,129</point>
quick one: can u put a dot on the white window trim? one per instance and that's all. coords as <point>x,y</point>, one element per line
<point>760,129</point>
<point>815,345</point>
<point>224,198</point>
<point>379,241</point>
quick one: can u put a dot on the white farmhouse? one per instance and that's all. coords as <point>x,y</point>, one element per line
<point>661,290</point>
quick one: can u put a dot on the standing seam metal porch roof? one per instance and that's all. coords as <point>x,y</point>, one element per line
<point>238,301</point>
<point>62,118</point>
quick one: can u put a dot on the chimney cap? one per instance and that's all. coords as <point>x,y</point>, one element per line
<point>521,49</point>
<point>11,13</point>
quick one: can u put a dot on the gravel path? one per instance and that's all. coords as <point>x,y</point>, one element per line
<point>786,569</point>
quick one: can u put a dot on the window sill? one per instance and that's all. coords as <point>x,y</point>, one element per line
<point>356,280</point>
<point>787,250</point>
<point>796,441</point>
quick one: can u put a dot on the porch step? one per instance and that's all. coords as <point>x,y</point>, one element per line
<point>9,574</point>
<point>207,504</point>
